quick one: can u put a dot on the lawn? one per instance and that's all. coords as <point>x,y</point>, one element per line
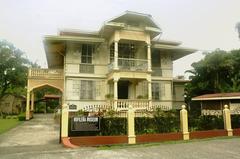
<point>7,124</point>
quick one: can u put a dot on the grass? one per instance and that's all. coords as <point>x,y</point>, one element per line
<point>121,146</point>
<point>7,124</point>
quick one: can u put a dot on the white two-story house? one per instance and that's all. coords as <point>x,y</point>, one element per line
<point>122,64</point>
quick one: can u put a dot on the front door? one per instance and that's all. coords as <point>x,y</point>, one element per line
<point>123,89</point>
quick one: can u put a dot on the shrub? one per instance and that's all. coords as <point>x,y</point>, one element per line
<point>205,123</point>
<point>235,121</point>
<point>22,117</point>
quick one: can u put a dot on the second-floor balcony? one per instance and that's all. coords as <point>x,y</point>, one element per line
<point>45,73</point>
<point>130,64</point>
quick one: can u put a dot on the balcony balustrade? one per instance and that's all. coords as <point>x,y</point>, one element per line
<point>130,64</point>
<point>45,73</point>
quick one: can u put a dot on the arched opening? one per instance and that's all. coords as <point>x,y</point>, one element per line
<point>43,99</point>
<point>47,99</point>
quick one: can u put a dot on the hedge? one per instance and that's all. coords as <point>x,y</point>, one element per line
<point>162,122</point>
<point>22,116</point>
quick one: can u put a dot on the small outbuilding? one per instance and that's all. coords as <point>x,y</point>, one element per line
<point>213,104</point>
<point>12,104</point>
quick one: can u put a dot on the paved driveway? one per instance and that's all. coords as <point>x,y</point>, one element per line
<point>38,139</point>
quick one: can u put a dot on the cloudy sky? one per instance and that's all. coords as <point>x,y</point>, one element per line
<point>201,24</point>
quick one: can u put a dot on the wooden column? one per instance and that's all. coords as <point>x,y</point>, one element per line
<point>149,57</point>
<point>32,101</point>
<point>149,93</point>
<point>115,55</point>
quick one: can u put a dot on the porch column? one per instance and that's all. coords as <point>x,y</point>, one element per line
<point>32,101</point>
<point>28,105</point>
<point>115,94</point>
<point>149,57</point>
<point>115,55</point>
<point>149,93</point>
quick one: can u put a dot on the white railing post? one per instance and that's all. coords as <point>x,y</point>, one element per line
<point>131,126</point>
<point>227,120</point>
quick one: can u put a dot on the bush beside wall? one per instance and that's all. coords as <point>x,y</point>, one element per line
<point>22,116</point>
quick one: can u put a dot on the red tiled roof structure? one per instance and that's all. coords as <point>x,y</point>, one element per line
<point>51,96</point>
<point>217,96</point>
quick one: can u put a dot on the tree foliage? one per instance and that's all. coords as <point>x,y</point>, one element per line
<point>13,69</point>
<point>218,72</point>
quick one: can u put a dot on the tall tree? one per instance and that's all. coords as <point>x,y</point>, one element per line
<point>13,69</point>
<point>218,72</point>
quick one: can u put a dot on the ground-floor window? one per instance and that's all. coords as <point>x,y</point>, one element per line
<point>87,89</point>
<point>155,91</point>
<point>82,89</point>
<point>158,90</point>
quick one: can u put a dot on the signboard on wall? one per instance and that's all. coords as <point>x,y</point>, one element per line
<point>85,123</point>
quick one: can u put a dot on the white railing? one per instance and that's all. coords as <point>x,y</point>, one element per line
<point>45,73</point>
<point>130,64</point>
<point>123,105</point>
<point>138,104</point>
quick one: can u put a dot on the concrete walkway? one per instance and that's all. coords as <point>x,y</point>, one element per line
<point>38,139</point>
<point>40,133</point>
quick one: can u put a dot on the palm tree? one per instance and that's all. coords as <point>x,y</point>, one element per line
<point>238,29</point>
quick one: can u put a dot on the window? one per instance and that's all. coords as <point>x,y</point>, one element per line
<point>76,88</point>
<point>112,53</point>
<point>156,59</point>
<point>162,89</point>
<point>87,89</point>
<point>155,91</point>
<point>126,50</point>
<point>87,51</point>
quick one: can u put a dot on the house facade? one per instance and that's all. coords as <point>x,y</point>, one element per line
<point>122,64</point>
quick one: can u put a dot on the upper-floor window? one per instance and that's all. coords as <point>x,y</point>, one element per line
<point>87,52</point>
<point>156,59</point>
<point>126,50</point>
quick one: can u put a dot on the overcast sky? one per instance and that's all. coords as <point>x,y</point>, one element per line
<point>201,24</point>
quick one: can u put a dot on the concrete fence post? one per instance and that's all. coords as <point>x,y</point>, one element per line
<point>131,126</point>
<point>64,129</point>
<point>184,122</point>
<point>227,120</point>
